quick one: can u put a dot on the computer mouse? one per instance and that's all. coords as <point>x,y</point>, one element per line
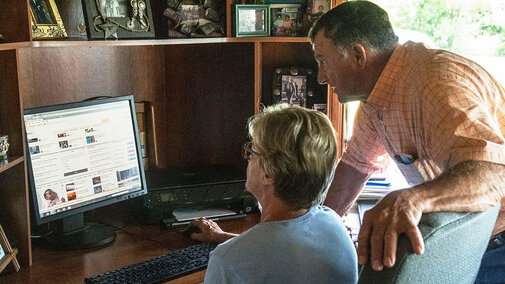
<point>191,229</point>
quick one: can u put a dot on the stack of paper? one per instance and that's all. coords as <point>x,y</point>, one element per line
<point>381,184</point>
<point>375,188</point>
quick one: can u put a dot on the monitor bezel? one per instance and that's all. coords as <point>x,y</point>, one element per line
<point>81,209</point>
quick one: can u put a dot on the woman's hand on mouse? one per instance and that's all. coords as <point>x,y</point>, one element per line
<point>209,231</point>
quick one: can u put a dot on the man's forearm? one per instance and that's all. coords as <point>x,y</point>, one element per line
<point>468,186</point>
<point>344,189</point>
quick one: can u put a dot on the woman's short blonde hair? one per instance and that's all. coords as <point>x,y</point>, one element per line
<point>297,147</point>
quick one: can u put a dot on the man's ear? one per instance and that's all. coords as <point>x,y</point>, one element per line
<point>358,54</point>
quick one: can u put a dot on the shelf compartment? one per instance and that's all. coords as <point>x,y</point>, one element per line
<point>7,165</point>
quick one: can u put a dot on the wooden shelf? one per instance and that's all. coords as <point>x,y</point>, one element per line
<point>150,42</point>
<point>14,45</point>
<point>8,165</point>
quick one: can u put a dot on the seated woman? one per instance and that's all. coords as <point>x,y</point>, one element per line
<point>291,160</point>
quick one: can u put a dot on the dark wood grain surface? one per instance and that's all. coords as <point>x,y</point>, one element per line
<point>134,242</point>
<point>15,21</point>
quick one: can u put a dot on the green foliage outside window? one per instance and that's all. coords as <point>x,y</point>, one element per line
<point>475,27</point>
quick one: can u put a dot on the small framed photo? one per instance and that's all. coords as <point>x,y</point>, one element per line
<point>319,107</point>
<point>7,253</point>
<point>284,1</point>
<point>316,8</point>
<point>294,85</point>
<point>46,20</point>
<point>252,20</point>
<point>118,19</point>
<point>287,19</point>
<point>192,20</point>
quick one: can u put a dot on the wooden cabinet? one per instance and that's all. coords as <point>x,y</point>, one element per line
<point>203,91</point>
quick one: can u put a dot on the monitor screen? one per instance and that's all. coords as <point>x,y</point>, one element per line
<point>82,156</point>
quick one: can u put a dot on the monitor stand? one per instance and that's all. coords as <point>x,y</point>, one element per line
<point>73,233</point>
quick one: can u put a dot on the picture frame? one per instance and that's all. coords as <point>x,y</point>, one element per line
<point>46,21</point>
<point>286,20</point>
<point>320,107</point>
<point>193,19</point>
<point>118,19</point>
<point>316,8</point>
<point>294,86</point>
<point>251,20</point>
<point>7,253</point>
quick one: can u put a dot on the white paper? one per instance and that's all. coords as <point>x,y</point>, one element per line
<point>187,214</point>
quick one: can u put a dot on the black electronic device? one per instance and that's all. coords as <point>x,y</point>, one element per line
<point>159,269</point>
<point>82,156</point>
<point>219,188</point>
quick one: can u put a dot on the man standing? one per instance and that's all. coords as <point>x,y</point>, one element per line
<point>439,115</point>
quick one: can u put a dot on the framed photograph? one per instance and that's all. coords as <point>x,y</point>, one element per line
<point>287,19</point>
<point>319,107</point>
<point>192,20</point>
<point>118,19</point>
<point>316,8</point>
<point>294,86</point>
<point>7,254</point>
<point>252,20</point>
<point>46,20</point>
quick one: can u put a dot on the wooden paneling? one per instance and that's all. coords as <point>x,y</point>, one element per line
<point>209,97</point>
<point>10,110</point>
<point>14,216</point>
<point>14,20</point>
<point>59,75</point>
<point>13,193</point>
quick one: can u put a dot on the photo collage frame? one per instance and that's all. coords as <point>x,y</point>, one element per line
<point>297,86</point>
<point>286,18</point>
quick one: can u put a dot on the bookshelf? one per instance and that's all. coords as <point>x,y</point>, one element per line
<point>200,93</point>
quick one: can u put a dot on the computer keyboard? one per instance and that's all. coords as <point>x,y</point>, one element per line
<point>159,269</point>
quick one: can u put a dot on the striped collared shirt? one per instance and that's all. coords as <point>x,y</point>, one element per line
<point>431,104</point>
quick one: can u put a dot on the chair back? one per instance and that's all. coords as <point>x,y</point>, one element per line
<point>454,246</point>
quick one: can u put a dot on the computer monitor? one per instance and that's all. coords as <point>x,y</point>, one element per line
<point>82,156</point>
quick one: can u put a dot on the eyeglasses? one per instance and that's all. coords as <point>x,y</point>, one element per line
<point>247,151</point>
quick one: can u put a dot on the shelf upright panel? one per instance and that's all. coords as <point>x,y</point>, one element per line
<point>13,190</point>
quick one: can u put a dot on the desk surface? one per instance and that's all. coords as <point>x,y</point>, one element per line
<point>133,243</point>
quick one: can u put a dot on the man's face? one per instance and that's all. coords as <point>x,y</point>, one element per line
<point>336,68</point>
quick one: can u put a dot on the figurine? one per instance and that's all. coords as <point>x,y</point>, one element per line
<point>4,147</point>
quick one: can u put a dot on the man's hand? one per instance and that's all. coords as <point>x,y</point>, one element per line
<point>395,214</point>
<point>209,231</point>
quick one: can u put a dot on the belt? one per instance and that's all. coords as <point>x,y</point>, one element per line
<point>496,241</point>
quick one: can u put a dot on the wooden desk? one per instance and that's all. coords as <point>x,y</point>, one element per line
<point>135,243</point>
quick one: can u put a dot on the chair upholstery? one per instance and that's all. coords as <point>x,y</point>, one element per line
<point>454,246</point>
